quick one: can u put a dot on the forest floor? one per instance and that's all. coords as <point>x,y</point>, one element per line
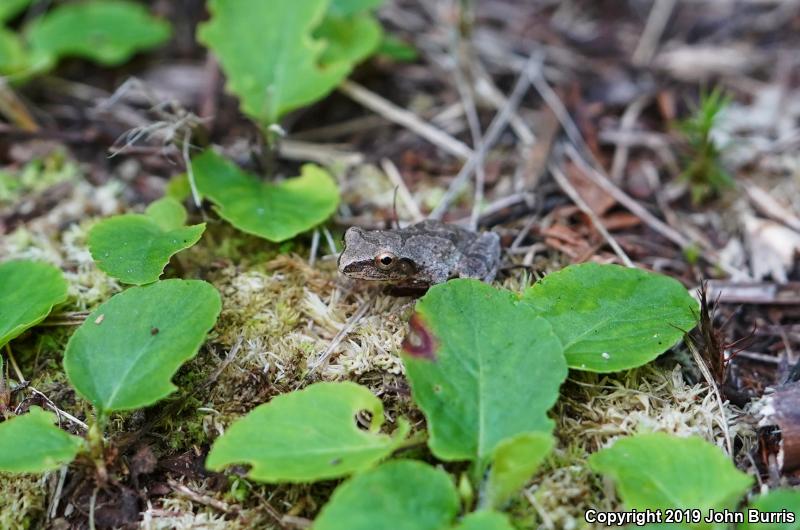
<point>600,104</point>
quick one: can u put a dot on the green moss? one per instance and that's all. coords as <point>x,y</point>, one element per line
<point>22,501</point>
<point>36,176</point>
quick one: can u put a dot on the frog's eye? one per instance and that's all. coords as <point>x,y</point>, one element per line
<point>385,260</point>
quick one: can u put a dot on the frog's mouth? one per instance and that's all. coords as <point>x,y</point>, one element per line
<point>365,270</point>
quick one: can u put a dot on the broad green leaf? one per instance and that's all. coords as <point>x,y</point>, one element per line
<point>13,58</point>
<point>348,39</point>
<point>124,355</point>
<point>28,290</point>
<point>351,7</point>
<point>135,248</point>
<point>31,443</point>
<point>106,31</point>
<point>775,501</point>
<point>483,367</point>
<point>308,435</point>
<point>11,8</point>
<point>167,212</point>
<point>276,212</point>
<point>659,471</point>
<point>268,54</point>
<point>178,187</point>
<point>484,520</point>
<point>612,318</point>
<point>513,463</point>
<point>401,495</point>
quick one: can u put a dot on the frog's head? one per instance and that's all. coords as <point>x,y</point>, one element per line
<point>374,255</point>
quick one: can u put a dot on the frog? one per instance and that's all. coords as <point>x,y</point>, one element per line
<point>420,255</point>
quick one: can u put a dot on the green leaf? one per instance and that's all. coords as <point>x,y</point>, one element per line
<point>397,49</point>
<point>484,520</point>
<point>167,212</point>
<point>775,501</point>
<point>11,8</point>
<point>31,443</point>
<point>513,463</point>
<point>276,212</point>
<point>612,318</point>
<point>327,443</point>
<point>178,187</point>
<point>351,7</point>
<point>28,290</point>
<point>268,54</point>
<point>483,367</point>
<point>109,31</point>
<point>13,58</point>
<point>135,248</point>
<point>660,471</point>
<point>349,39</point>
<point>401,495</point>
<point>125,353</point>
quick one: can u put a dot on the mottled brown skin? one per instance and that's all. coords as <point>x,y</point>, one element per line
<point>423,254</point>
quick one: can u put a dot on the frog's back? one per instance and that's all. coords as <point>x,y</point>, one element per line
<point>460,237</point>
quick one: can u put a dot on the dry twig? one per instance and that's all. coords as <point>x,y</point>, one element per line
<point>393,174</point>
<point>497,126</point>
<point>653,29</point>
<point>626,200</point>
<point>573,194</point>
<point>199,498</point>
<point>349,325</point>
<point>407,119</point>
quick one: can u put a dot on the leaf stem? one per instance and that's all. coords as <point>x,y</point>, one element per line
<point>14,364</point>
<point>97,445</point>
<point>270,145</point>
<point>480,482</point>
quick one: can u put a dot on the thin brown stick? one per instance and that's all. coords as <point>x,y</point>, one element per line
<point>393,174</point>
<point>199,498</point>
<point>497,126</point>
<point>486,89</point>
<point>560,110</point>
<point>59,412</point>
<point>626,200</point>
<point>465,92</point>
<point>52,510</point>
<point>573,194</point>
<point>14,109</point>
<point>329,240</point>
<point>407,119</point>
<point>14,364</point>
<point>653,29</point>
<point>324,154</point>
<point>626,123</point>
<point>312,254</point>
<point>92,506</point>
<point>224,364</point>
<point>349,325</point>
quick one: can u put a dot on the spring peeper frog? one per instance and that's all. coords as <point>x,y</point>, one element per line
<point>420,255</point>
